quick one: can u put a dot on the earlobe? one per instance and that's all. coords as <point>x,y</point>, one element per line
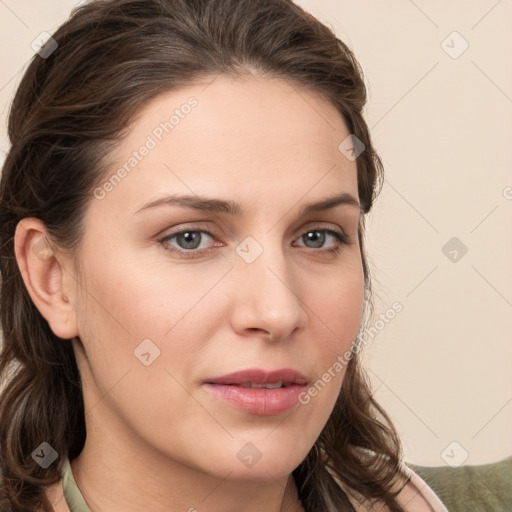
<point>44,275</point>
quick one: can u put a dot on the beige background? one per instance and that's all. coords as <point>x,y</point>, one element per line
<point>443,125</point>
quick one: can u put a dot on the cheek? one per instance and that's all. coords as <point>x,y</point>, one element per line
<point>152,321</point>
<point>141,344</point>
<point>338,305</point>
<point>141,300</point>
<point>335,307</point>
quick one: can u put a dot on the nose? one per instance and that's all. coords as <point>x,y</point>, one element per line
<point>268,298</point>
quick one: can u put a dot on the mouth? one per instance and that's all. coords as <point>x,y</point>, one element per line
<point>260,378</point>
<point>268,385</point>
<point>258,391</point>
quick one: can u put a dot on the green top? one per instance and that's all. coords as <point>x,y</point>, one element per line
<point>74,498</point>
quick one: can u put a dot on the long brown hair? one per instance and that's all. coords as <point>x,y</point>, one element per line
<point>73,104</point>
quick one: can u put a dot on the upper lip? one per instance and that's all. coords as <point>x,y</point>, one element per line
<point>260,376</point>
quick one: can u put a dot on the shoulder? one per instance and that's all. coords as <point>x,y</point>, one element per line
<point>415,495</point>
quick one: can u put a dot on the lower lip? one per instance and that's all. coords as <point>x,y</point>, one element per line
<point>260,401</point>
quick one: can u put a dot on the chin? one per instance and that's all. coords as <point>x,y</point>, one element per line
<point>261,460</point>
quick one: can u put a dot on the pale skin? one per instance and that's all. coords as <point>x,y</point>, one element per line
<point>154,434</point>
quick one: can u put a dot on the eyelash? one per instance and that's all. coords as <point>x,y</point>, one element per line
<point>340,237</point>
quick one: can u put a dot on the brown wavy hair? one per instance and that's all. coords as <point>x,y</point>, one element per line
<point>71,108</point>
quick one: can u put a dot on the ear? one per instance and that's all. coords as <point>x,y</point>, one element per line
<point>50,284</point>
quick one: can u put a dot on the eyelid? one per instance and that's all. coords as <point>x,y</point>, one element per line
<point>180,228</point>
<point>341,238</point>
<point>339,234</point>
<point>320,225</point>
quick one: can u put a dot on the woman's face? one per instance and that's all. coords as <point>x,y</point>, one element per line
<point>164,317</point>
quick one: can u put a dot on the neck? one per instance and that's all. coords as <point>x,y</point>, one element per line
<point>122,473</point>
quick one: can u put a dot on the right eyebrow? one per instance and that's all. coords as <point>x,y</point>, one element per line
<point>214,205</point>
<point>197,203</point>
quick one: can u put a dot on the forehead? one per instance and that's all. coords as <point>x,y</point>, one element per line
<point>234,137</point>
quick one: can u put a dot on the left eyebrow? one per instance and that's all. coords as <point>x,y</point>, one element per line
<point>207,204</point>
<point>329,203</point>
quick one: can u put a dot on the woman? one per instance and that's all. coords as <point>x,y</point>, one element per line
<point>183,269</point>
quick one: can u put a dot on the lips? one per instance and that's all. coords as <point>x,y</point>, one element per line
<point>260,377</point>
<point>258,391</point>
